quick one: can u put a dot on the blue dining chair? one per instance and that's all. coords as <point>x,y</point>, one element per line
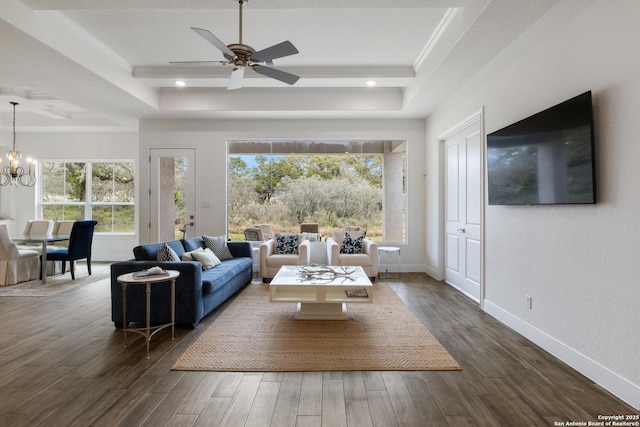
<point>80,241</point>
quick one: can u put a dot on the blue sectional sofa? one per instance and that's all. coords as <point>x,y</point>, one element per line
<point>198,292</point>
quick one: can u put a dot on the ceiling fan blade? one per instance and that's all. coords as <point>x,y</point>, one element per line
<point>207,35</point>
<point>279,50</point>
<point>235,81</point>
<point>198,62</point>
<point>274,73</point>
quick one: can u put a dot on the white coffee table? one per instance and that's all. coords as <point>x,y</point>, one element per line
<point>320,297</point>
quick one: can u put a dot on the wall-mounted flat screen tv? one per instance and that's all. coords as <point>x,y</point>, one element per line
<point>545,159</point>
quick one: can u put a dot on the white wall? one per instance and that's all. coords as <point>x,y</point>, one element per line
<point>579,263</point>
<point>20,202</point>
<point>209,138</point>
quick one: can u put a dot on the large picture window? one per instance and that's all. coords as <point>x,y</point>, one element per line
<point>333,183</point>
<point>103,191</point>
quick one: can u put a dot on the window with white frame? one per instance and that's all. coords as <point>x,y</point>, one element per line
<point>334,183</point>
<point>99,190</point>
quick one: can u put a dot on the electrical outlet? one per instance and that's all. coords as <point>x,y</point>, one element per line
<point>529,300</point>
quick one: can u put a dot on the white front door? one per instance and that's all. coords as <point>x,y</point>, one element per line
<point>463,209</point>
<point>171,194</point>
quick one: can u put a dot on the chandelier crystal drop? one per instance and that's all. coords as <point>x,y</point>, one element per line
<point>13,173</point>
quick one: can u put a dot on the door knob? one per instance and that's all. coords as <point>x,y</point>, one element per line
<point>461,230</point>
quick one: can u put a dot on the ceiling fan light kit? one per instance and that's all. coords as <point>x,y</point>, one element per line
<point>243,56</point>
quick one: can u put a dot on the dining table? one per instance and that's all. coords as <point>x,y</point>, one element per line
<point>42,239</point>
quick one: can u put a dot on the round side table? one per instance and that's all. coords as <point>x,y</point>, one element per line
<point>389,251</point>
<point>148,331</point>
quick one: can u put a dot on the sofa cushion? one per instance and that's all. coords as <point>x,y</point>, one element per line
<point>273,261</point>
<point>215,278</point>
<point>165,253</point>
<point>351,245</point>
<point>361,260</point>
<point>286,244</point>
<point>218,245</point>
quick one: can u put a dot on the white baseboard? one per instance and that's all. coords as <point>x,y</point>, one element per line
<point>433,272</point>
<point>404,268</point>
<point>602,376</point>
<point>462,291</point>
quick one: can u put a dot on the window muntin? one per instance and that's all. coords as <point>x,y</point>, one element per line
<point>103,191</point>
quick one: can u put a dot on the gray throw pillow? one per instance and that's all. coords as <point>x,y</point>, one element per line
<point>219,246</point>
<point>167,254</point>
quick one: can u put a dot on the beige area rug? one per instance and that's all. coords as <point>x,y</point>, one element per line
<point>59,282</point>
<point>255,335</point>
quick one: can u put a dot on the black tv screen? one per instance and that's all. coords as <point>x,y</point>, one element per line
<point>545,159</point>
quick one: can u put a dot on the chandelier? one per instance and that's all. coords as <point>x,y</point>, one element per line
<point>13,173</point>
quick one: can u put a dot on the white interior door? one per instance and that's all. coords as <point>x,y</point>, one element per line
<point>171,193</point>
<point>463,209</point>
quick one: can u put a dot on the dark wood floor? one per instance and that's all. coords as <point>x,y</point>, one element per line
<point>62,364</point>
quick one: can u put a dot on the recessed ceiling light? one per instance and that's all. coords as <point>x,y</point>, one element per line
<point>371,83</point>
<point>180,83</point>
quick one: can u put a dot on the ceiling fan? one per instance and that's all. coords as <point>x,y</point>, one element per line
<point>243,56</point>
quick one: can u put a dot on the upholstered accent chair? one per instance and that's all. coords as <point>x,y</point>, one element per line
<point>353,249</point>
<point>16,265</point>
<point>80,242</point>
<point>283,249</point>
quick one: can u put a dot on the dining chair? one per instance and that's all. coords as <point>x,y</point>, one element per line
<point>38,227</point>
<point>59,227</point>
<point>63,227</point>
<point>80,241</point>
<point>16,265</point>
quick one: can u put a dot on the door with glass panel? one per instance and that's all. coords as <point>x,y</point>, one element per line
<point>171,193</point>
